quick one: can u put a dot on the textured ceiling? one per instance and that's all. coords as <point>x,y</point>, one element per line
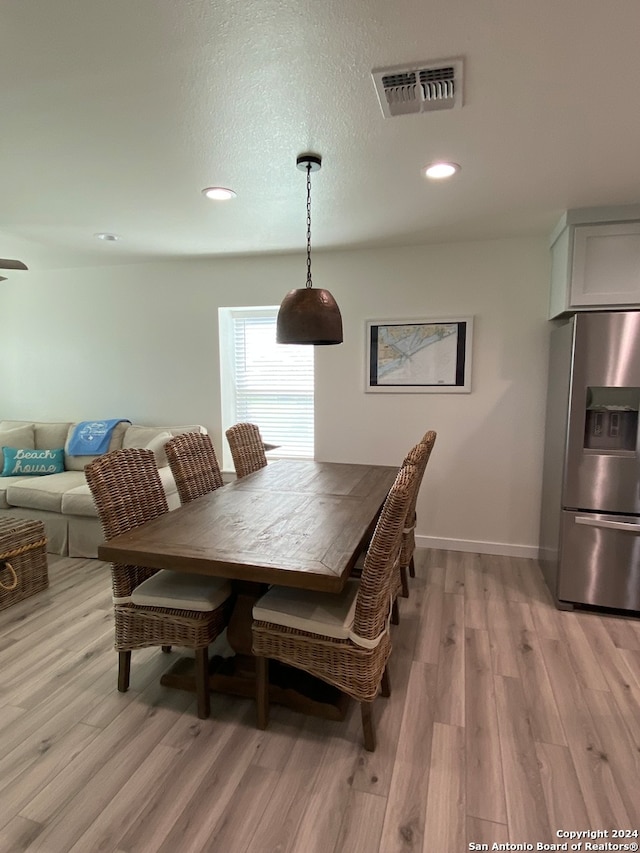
<point>116,114</point>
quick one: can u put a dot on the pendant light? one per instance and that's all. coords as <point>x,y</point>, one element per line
<point>309,315</point>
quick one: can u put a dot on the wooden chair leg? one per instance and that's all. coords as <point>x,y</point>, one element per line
<point>404,581</point>
<point>262,691</point>
<point>166,649</point>
<point>385,684</point>
<point>368,729</point>
<point>202,683</point>
<point>395,613</point>
<point>124,670</point>
<point>412,568</point>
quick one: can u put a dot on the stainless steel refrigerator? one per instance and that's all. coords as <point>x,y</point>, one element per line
<point>590,519</point>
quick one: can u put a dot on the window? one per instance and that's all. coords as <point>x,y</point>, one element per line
<point>265,383</point>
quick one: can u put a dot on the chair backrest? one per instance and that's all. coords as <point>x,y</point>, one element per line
<point>419,457</point>
<point>380,564</point>
<point>194,465</point>
<point>247,448</point>
<point>127,491</point>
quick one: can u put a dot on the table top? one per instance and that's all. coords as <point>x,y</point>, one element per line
<point>294,523</point>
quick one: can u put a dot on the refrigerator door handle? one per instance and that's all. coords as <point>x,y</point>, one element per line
<point>626,526</point>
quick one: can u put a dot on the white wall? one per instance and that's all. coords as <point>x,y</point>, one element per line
<point>141,341</point>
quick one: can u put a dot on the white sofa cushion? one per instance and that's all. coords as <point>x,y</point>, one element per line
<point>149,438</point>
<point>169,486</point>
<point>48,436</point>
<point>44,493</point>
<point>77,463</point>
<point>14,424</point>
<point>51,436</point>
<point>182,591</point>
<point>79,501</point>
<point>5,482</point>
<point>20,437</point>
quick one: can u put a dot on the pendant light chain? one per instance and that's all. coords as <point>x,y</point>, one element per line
<point>309,225</point>
<point>309,315</point>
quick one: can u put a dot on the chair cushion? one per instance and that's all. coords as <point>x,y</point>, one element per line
<point>181,591</point>
<point>322,613</point>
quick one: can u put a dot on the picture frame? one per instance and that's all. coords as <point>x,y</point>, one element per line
<point>427,355</point>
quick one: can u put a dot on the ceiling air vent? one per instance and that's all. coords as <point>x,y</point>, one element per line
<point>420,88</point>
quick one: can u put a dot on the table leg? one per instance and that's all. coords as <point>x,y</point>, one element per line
<point>237,675</point>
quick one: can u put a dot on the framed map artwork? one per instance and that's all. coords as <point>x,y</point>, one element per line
<point>419,355</point>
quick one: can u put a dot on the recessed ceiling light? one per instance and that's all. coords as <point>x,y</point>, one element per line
<point>108,237</point>
<point>440,170</point>
<point>218,193</point>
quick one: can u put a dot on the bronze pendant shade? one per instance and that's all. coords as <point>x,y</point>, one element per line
<point>309,315</point>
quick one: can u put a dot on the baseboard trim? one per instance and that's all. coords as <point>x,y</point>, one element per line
<point>502,549</point>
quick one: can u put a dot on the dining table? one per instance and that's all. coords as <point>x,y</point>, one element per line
<point>294,523</point>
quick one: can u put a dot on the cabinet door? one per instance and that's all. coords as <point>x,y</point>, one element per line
<point>606,265</point>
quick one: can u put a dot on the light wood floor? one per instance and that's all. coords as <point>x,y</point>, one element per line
<point>508,721</point>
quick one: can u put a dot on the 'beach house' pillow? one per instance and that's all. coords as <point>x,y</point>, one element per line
<point>24,462</point>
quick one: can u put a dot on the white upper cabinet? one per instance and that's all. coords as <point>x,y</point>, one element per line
<point>595,260</point>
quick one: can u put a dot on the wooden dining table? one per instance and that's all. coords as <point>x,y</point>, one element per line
<point>295,523</point>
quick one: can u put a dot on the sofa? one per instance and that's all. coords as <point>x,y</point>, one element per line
<point>62,500</point>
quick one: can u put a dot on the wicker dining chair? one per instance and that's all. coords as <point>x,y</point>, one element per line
<point>418,456</point>
<point>153,607</point>
<point>342,639</point>
<point>247,448</point>
<point>194,465</point>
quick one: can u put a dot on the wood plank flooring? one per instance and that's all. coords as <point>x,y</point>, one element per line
<point>508,721</point>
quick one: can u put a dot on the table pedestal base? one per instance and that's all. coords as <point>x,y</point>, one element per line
<point>237,675</point>
<point>287,686</point>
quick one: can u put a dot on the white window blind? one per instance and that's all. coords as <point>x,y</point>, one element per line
<point>266,383</point>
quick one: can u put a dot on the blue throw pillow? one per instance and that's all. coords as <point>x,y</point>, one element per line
<point>22,463</point>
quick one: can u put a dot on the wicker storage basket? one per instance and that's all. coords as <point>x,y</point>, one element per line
<point>23,560</point>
